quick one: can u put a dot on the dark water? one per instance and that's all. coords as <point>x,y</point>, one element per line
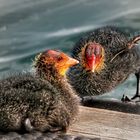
<point>30,26</point>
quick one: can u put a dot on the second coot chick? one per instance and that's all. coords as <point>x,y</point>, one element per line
<point>43,101</point>
<point>107,57</point>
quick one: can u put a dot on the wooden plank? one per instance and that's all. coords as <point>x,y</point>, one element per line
<point>106,124</point>
<point>116,105</point>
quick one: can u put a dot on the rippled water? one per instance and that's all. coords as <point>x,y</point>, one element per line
<point>30,26</point>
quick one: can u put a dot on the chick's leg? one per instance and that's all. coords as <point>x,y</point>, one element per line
<point>137,95</point>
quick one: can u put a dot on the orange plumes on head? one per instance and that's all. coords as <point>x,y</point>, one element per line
<point>55,60</point>
<point>93,57</point>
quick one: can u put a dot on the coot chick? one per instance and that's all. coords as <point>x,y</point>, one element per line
<point>43,101</point>
<point>107,56</point>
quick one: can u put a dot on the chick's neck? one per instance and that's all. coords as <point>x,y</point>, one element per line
<point>49,73</point>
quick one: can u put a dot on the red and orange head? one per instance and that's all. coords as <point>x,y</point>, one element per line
<point>55,60</point>
<point>93,57</point>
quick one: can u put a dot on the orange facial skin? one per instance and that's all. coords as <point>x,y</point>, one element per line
<point>60,60</point>
<point>65,62</point>
<point>93,57</point>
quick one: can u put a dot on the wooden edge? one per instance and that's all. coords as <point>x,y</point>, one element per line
<point>116,105</point>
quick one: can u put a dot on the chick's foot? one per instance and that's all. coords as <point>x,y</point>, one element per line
<point>126,99</point>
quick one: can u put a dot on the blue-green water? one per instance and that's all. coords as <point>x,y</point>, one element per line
<point>30,26</point>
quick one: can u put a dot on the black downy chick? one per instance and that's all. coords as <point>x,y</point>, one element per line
<point>107,56</point>
<point>43,101</point>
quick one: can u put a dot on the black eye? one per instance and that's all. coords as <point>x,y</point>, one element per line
<point>59,58</point>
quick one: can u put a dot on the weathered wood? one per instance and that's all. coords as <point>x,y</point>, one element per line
<point>106,124</point>
<point>116,105</point>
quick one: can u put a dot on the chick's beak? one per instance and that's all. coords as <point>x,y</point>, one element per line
<point>91,62</point>
<point>93,68</point>
<point>71,62</point>
<point>66,64</point>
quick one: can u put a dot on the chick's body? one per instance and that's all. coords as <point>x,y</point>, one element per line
<point>115,70</point>
<point>50,105</point>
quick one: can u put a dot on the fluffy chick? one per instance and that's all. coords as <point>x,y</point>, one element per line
<point>43,101</point>
<point>107,56</point>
